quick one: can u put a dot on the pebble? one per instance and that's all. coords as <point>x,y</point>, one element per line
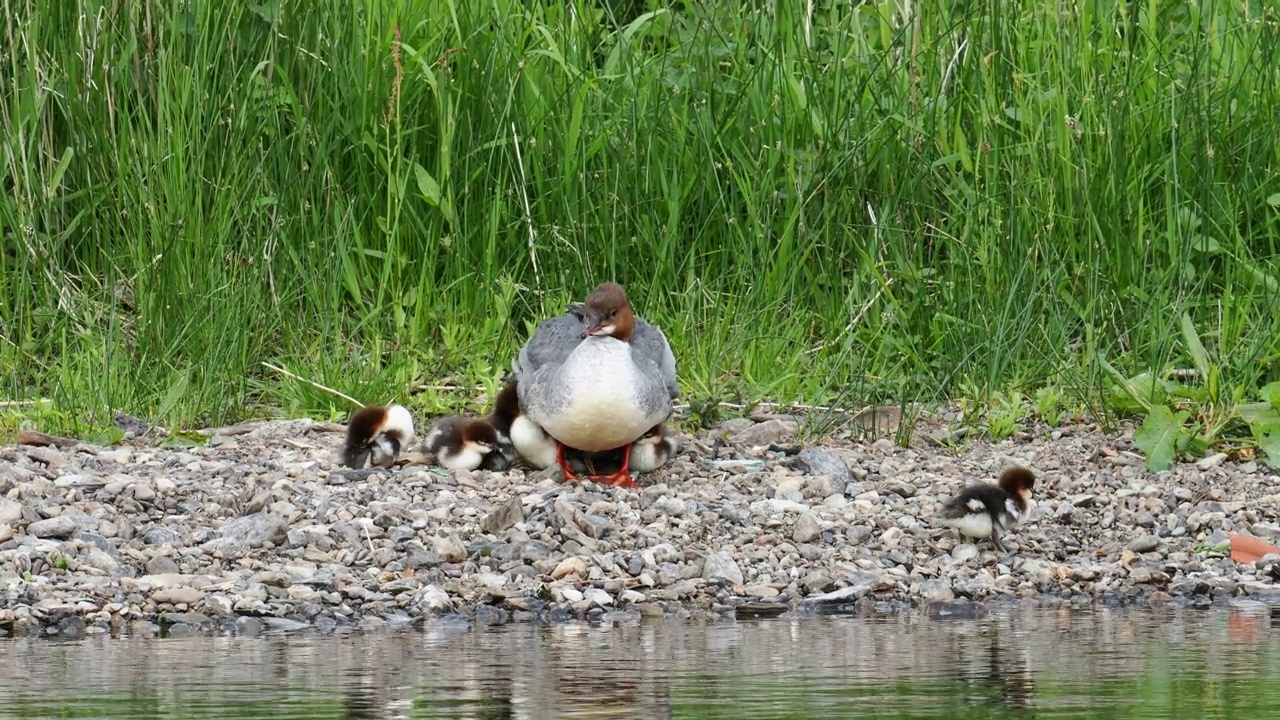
<point>807,529</point>
<point>721,567</point>
<point>252,535</point>
<point>59,526</point>
<point>1144,543</point>
<point>10,511</point>
<point>504,517</point>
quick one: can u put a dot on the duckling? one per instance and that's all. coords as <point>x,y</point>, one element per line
<point>517,433</point>
<point>653,449</point>
<point>460,443</point>
<point>506,408</point>
<point>377,433</point>
<point>984,510</point>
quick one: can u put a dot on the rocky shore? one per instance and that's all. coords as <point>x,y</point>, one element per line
<point>261,529</point>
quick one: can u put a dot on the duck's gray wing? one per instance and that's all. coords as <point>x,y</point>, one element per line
<point>648,342</point>
<point>550,345</point>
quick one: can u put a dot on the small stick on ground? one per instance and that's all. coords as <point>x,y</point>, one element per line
<point>24,403</point>
<point>315,384</point>
<point>32,437</point>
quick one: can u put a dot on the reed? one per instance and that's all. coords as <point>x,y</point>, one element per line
<point>820,202</point>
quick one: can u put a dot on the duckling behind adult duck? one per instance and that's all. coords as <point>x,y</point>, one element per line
<point>525,439</point>
<point>377,433</point>
<point>984,510</point>
<point>653,449</point>
<point>597,380</point>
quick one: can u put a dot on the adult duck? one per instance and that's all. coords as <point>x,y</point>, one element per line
<point>597,378</point>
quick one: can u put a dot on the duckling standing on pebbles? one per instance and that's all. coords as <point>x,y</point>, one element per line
<point>377,433</point>
<point>984,510</point>
<point>463,444</point>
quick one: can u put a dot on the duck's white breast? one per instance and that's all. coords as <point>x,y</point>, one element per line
<point>602,411</point>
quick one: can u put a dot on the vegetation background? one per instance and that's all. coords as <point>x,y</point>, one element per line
<point>1031,208</point>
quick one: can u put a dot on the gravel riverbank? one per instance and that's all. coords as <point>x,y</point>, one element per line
<point>261,529</point>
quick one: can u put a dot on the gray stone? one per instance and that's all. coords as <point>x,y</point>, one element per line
<point>504,516</point>
<point>899,487</point>
<point>434,599</point>
<point>254,530</point>
<point>1144,543</point>
<point>595,526</point>
<point>188,618</point>
<point>11,511</point>
<point>807,529</point>
<point>937,591</point>
<point>162,564</point>
<point>159,535</point>
<point>248,626</point>
<point>175,595</point>
<point>765,433</point>
<point>272,578</point>
<point>721,567</point>
<point>59,526</point>
<point>451,549</point>
<point>88,482</point>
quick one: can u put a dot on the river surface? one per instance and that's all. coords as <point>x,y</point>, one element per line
<point>1016,662</point>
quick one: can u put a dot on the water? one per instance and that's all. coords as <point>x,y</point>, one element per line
<point>1015,663</point>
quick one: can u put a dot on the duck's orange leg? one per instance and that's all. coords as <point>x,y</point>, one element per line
<point>622,478</point>
<point>568,474</point>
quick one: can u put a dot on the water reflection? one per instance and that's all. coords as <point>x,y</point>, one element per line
<point>1045,662</point>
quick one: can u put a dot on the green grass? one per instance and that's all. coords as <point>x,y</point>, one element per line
<point>858,203</point>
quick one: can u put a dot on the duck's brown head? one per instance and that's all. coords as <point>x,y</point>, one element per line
<point>607,312</point>
<point>1018,481</point>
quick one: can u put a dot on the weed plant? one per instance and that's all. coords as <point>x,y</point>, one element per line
<point>818,201</point>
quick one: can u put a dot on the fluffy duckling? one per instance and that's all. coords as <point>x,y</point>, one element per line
<point>533,443</point>
<point>984,510</point>
<point>653,449</point>
<point>506,408</point>
<point>515,430</point>
<point>460,443</point>
<point>377,433</point>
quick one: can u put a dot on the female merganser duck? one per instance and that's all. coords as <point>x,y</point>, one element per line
<point>462,444</point>
<point>653,450</point>
<point>984,510</point>
<point>597,379</point>
<point>378,433</point>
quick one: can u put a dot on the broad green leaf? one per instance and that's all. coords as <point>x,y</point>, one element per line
<point>427,185</point>
<point>1150,387</point>
<point>1274,200</point>
<point>108,436</point>
<point>1198,355</point>
<point>1158,436</point>
<point>1269,443</point>
<point>1271,394</point>
<point>1206,244</point>
<point>1124,383</point>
